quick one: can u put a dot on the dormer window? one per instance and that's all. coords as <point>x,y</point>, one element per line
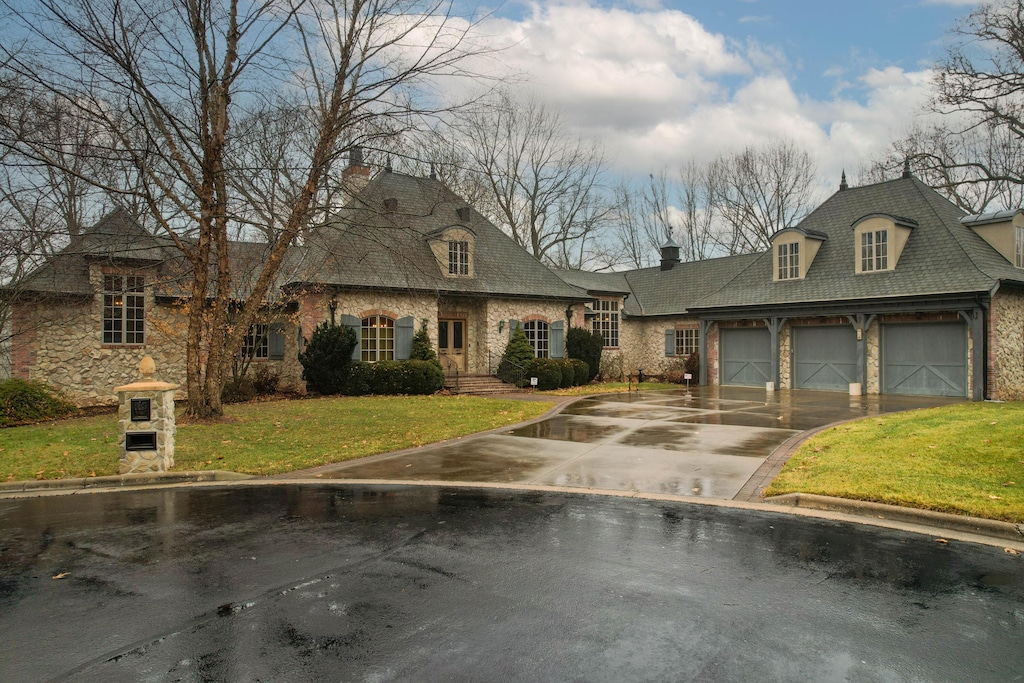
<point>880,239</point>
<point>453,248</point>
<point>789,261</point>
<point>874,250</point>
<point>458,257</point>
<point>795,249</point>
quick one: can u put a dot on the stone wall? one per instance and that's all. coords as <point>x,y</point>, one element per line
<point>61,344</point>
<point>494,335</point>
<point>1006,346</point>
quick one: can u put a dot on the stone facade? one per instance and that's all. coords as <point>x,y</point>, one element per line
<point>1006,346</point>
<point>496,333</point>
<point>61,343</point>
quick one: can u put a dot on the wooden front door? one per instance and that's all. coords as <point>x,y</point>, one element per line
<point>451,344</point>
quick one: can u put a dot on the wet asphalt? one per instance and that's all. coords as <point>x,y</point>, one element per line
<point>703,441</point>
<point>335,582</point>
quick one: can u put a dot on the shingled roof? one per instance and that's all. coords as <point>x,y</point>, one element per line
<point>382,239</point>
<point>942,257</point>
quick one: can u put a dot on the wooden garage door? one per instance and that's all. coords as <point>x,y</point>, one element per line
<point>824,357</point>
<point>746,356</point>
<point>925,358</point>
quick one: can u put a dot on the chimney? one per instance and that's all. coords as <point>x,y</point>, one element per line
<point>356,176</point>
<point>669,254</point>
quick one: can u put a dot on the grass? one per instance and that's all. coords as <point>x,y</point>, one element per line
<point>609,388</point>
<point>964,459</point>
<point>264,438</point>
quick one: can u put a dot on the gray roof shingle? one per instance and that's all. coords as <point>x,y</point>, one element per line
<point>942,256</point>
<point>369,245</point>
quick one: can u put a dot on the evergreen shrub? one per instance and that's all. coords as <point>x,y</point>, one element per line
<point>587,346</point>
<point>327,358</point>
<point>22,401</point>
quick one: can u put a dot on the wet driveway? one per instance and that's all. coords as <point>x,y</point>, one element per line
<point>705,441</point>
<point>293,582</point>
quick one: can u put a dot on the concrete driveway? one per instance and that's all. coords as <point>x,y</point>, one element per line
<point>712,442</point>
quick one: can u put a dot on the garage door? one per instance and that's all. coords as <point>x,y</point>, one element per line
<point>824,357</point>
<point>746,356</point>
<point>924,359</point>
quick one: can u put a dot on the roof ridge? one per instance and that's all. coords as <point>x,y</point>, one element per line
<point>928,197</point>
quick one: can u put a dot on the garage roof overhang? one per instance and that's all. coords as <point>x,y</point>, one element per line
<point>922,304</point>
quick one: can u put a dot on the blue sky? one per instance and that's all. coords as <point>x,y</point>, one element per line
<point>660,83</point>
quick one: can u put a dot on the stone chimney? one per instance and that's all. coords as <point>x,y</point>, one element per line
<point>356,175</point>
<point>669,254</point>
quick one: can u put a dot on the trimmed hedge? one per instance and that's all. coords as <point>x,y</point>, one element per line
<point>392,377</point>
<point>22,402</point>
<point>547,371</point>
<point>568,372</point>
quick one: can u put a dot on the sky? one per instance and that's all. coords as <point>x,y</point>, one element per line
<point>660,83</point>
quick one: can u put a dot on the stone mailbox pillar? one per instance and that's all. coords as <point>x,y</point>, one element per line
<point>145,419</point>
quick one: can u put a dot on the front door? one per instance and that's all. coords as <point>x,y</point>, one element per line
<point>451,344</point>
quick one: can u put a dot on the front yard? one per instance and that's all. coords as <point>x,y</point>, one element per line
<point>264,438</point>
<point>964,459</point>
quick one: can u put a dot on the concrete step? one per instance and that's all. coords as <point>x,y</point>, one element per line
<point>479,385</point>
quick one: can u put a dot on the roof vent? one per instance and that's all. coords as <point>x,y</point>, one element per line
<point>463,212</point>
<point>391,204</point>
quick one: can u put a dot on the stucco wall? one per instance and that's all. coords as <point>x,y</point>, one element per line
<point>1006,347</point>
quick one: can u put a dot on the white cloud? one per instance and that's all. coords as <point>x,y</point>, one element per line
<point>657,89</point>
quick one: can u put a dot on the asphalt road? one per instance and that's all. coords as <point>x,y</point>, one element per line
<point>336,583</point>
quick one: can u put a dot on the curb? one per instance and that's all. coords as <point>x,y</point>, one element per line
<point>120,480</point>
<point>862,508</point>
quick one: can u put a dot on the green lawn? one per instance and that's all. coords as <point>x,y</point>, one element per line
<point>965,459</point>
<point>264,438</point>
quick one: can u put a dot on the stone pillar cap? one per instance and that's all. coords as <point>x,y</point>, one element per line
<point>148,385</point>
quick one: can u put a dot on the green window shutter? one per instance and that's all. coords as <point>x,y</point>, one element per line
<point>512,325</point>
<point>556,341</point>
<point>670,342</point>
<point>403,338</point>
<point>356,325</point>
<point>275,342</point>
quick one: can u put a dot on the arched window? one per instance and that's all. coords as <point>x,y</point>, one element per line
<point>377,341</point>
<point>537,333</point>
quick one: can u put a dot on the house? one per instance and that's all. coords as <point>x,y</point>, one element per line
<point>885,289</point>
<point>888,287</point>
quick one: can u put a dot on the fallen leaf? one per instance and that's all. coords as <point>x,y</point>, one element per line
<point>1009,551</point>
<point>1009,483</point>
<point>933,447</point>
<point>60,576</point>
<point>941,540</point>
<point>991,497</point>
<point>65,453</point>
<point>992,423</point>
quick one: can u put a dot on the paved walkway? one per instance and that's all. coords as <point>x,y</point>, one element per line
<point>713,442</point>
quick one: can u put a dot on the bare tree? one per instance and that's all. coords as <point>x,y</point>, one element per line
<point>545,185</point>
<point>974,157</point>
<point>976,169</point>
<point>696,214</point>
<point>759,191</point>
<point>164,82</point>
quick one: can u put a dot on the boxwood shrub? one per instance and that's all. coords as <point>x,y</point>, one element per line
<point>390,377</point>
<point>547,371</point>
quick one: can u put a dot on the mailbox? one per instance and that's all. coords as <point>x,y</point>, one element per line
<point>141,410</point>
